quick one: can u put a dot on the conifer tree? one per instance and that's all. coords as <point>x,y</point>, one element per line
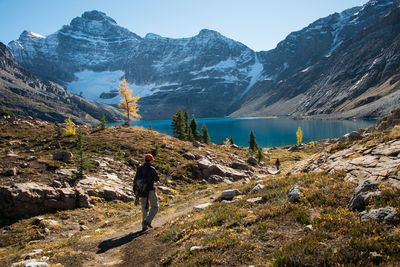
<point>178,125</point>
<point>205,137</point>
<point>82,162</point>
<point>103,123</point>
<point>193,128</point>
<point>252,142</point>
<point>299,135</point>
<point>128,103</point>
<point>260,154</point>
<point>188,132</point>
<point>231,140</point>
<point>58,130</point>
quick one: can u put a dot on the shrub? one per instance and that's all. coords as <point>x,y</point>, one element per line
<point>5,112</point>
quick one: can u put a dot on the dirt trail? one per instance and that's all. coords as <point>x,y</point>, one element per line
<point>130,247</point>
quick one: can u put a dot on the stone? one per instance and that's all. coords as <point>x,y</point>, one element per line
<point>133,162</point>
<point>308,228</point>
<point>165,189</point>
<point>215,179</point>
<point>195,248</point>
<point>230,194</point>
<point>64,156</point>
<point>83,227</point>
<point>376,257</point>
<point>11,172</point>
<point>293,148</point>
<point>202,206</point>
<point>30,263</point>
<point>55,145</point>
<point>273,171</point>
<point>361,195</point>
<point>386,214</point>
<point>240,165</point>
<point>352,136</point>
<point>189,156</point>
<point>32,253</point>
<point>205,168</point>
<point>294,194</point>
<point>31,158</point>
<point>24,165</point>
<point>256,189</point>
<point>252,160</point>
<point>197,144</point>
<point>254,200</point>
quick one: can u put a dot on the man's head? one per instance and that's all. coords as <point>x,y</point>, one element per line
<point>148,157</point>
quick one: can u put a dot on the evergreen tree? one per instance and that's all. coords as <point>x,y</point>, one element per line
<point>231,140</point>
<point>178,125</point>
<point>57,127</point>
<point>252,142</point>
<point>103,123</point>
<point>188,132</point>
<point>260,154</point>
<point>195,132</point>
<point>150,127</point>
<point>205,137</point>
<point>82,162</point>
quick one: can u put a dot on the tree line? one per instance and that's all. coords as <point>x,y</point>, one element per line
<point>185,130</point>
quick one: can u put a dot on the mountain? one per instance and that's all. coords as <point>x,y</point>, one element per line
<point>354,75</point>
<point>208,74</point>
<point>24,94</point>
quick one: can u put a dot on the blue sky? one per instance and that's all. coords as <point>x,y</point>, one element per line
<point>259,24</point>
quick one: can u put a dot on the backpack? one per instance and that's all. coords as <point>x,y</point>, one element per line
<point>140,186</point>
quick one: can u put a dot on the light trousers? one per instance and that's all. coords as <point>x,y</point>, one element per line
<point>150,202</point>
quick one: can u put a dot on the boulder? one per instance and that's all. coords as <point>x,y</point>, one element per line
<point>293,148</point>
<point>202,206</point>
<point>352,136</point>
<point>294,194</point>
<point>240,165</point>
<point>64,156</point>
<point>230,194</point>
<point>255,200</point>
<point>30,263</point>
<point>54,145</point>
<point>189,156</point>
<point>30,158</point>
<point>252,160</point>
<point>165,190</point>
<point>256,189</point>
<point>215,179</point>
<point>11,172</point>
<point>386,214</point>
<point>205,169</point>
<point>197,144</point>
<point>133,162</point>
<point>362,196</point>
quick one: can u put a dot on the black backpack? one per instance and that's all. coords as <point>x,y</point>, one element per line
<point>140,186</point>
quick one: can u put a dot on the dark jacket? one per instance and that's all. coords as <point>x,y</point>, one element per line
<point>148,171</point>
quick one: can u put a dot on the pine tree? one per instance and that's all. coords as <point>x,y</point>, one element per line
<point>299,135</point>
<point>205,137</point>
<point>188,132</point>
<point>82,162</point>
<point>231,140</point>
<point>178,125</point>
<point>252,142</point>
<point>103,123</point>
<point>195,132</point>
<point>128,103</point>
<point>260,154</point>
<point>58,130</point>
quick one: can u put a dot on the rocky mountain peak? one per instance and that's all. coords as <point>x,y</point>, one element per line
<point>97,16</point>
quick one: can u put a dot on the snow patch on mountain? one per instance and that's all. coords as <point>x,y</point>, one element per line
<point>91,84</point>
<point>254,75</point>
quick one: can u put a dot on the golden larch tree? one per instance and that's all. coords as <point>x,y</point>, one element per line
<point>299,135</point>
<point>128,103</point>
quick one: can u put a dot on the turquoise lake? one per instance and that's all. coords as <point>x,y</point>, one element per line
<point>269,131</point>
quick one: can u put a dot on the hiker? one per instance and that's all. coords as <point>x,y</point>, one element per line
<point>144,190</point>
<point>277,164</point>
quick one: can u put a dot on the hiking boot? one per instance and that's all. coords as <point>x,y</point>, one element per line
<point>144,227</point>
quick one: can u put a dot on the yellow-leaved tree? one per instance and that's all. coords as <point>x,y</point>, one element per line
<point>128,103</point>
<point>69,127</point>
<point>299,135</point>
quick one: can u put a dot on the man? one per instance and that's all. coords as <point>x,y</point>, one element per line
<point>149,198</point>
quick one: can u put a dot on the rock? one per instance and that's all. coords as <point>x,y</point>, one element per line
<point>83,227</point>
<point>197,144</point>
<point>64,156</point>
<point>165,189</point>
<point>273,171</point>
<point>189,156</point>
<point>294,194</point>
<point>235,146</point>
<point>353,136</point>
<point>11,172</point>
<point>389,121</point>
<point>66,172</point>
<point>49,223</point>
<point>215,179</point>
<point>361,196</point>
<point>376,257</point>
<point>240,165</point>
<point>30,199</point>
<point>30,158</point>
<point>386,214</point>
<point>308,228</point>
<point>293,148</point>
<point>54,145</point>
<point>256,188</point>
<point>254,200</point>
<point>202,206</point>
<point>195,248</point>
<point>230,194</point>
<point>32,254</point>
<point>252,160</point>
<point>30,263</point>
<point>133,162</point>
<point>204,169</point>
<point>24,165</point>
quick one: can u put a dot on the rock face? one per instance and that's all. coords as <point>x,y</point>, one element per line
<point>210,68</point>
<point>29,199</point>
<point>26,95</point>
